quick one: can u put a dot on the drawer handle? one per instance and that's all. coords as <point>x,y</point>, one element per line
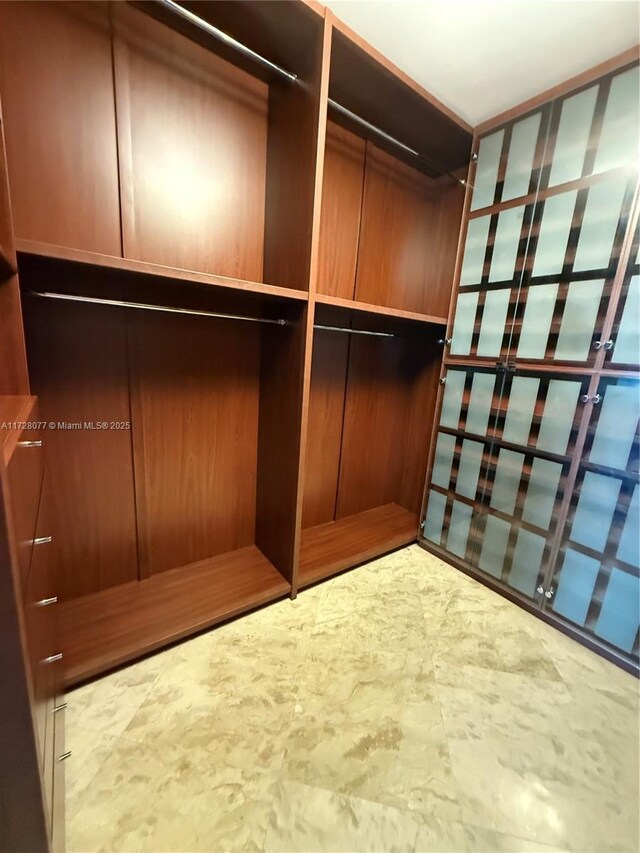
<point>42,540</point>
<point>59,707</point>
<point>52,658</point>
<point>37,443</point>
<point>45,602</point>
<point>64,755</point>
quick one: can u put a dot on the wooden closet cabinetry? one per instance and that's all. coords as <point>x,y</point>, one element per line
<point>189,222</point>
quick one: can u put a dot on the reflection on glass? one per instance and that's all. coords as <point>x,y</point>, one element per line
<point>521,153</point>
<point>469,468</point>
<point>556,223</point>
<point>627,341</point>
<point>527,559</point>
<point>462,335</point>
<point>435,517</point>
<point>494,316</point>
<point>480,403</point>
<point>487,170</point>
<point>452,398</point>
<point>620,614</point>
<point>494,546</point>
<point>521,405</point>
<point>573,136</point>
<point>575,586</point>
<point>505,247</point>
<point>507,481</point>
<point>594,513</point>
<point>579,320</point>
<point>559,412</point>
<point>541,492</point>
<point>536,322</point>
<point>618,144</point>
<point>475,248</point>
<point>617,425</point>
<point>445,448</point>
<point>599,225</point>
<point>459,528</point>
<point>629,545</point>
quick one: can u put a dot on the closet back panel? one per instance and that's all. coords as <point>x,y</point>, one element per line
<point>193,147</point>
<point>324,436</point>
<point>382,380</point>
<point>56,84</point>
<point>81,375</point>
<point>341,208</point>
<point>393,256</point>
<point>195,398</point>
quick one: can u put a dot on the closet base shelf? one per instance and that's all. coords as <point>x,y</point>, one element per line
<point>330,548</point>
<point>111,627</point>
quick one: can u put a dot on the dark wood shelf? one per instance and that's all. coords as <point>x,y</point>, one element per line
<point>330,548</point>
<point>93,259</point>
<point>382,310</point>
<point>108,628</point>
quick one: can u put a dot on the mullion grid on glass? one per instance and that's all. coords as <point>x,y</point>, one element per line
<point>585,292</point>
<point>605,560</point>
<point>623,446</point>
<point>625,325</point>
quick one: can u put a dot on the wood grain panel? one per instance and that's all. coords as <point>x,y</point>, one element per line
<point>195,399</point>
<point>24,475</point>
<point>330,548</point>
<point>324,436</point>
<point>397,217</point>
<point>381,394</point>
<point>341,206</point>
<point>281,378</point>
<point>78,361</point>
<point>193,143</point>
<point>56,83</point>
<point>117,625</point>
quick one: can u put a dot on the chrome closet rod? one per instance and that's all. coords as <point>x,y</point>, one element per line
<point>241,48</point>
<point>223,37</point>
<point>384,135</point>
<point>355,331</point>
<point>115,303</point>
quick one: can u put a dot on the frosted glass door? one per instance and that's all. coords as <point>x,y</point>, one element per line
<point>457,476</point>
<point>623,347</point>
<point>595,584</point>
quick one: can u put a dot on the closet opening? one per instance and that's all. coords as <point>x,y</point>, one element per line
<point>172,450</point>
<point>371,403</point>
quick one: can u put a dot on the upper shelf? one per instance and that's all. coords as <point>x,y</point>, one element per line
<point>379,310</point>
<point>93,259</point>
<point>363,81</point>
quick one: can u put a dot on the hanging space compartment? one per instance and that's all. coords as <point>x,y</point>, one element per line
<point>174,454</point>
<point>373,382</point>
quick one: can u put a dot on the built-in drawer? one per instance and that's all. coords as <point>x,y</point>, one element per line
<point>25,472</point>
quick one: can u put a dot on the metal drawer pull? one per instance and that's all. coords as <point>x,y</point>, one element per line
<point>597,344</point>
<point>30,443</point>
<point>59,707</point>
<point>587,399</point>
<point>445,342</point>
<point>45,602</point>
<point>52,658</point>
<point>64,756</point>
<point>42,540</point>
<point>608,345</point>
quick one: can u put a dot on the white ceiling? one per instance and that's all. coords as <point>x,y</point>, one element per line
<point>481,57</point>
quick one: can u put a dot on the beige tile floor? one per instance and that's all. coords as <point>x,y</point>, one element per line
<point>401,706</point>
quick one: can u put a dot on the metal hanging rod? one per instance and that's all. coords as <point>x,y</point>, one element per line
<point>355,331</point>
<point>384,135</point>
<point>241,48</point>
<point>223,37</point>
<point>115,303</point>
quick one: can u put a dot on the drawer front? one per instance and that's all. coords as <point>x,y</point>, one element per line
<point>58,792</point>
<point>25,473</point>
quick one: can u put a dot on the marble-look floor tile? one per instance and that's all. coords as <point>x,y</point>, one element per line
<point>487,841</point>
<point>307,818</point>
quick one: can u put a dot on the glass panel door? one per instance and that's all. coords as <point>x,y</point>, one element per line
<point>462,451</point>
<point>595,584</point>
<point>623,346</point>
